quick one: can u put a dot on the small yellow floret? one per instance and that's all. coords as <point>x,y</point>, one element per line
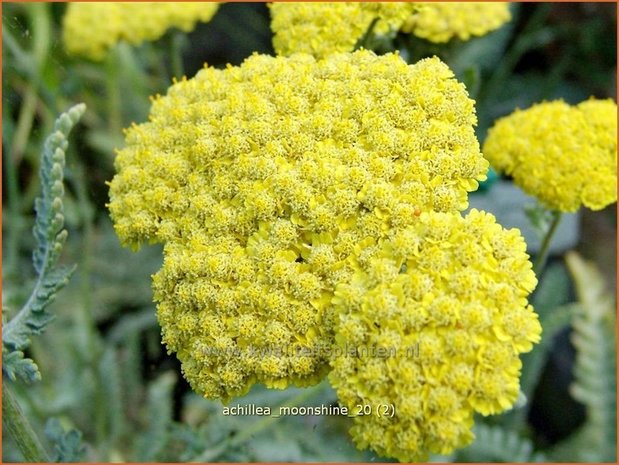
<point>564,155</point>
<point>91,29</point>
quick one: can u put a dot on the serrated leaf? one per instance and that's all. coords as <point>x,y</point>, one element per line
<point>158,418</point>
<point>50,237</point>
<point>15,366</point>
<point>497,444</point>
<point>67,445</point>
<point>17,332</point>
<point>594,338</point>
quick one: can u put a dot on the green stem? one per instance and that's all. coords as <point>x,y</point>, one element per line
<point>176,55</point>
<point>524,41</point>
<point>23,59</point>
<point>365,40</point>
<point>16,424</point>
<point>542,255</point>
<point>256,427</point>
<point>42,29</point>
<point>112,87</point>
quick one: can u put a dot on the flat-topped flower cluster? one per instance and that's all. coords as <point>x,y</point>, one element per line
<point>564,155</point>
<point>309,203</point>
<point>91,29</point>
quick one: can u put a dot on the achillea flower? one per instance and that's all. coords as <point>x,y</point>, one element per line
<point>91,29</point>
<point>446,300</point>
<point>263,179</point>
<point>564,155</point>
<point>442,21</point>
<point>324,28</point>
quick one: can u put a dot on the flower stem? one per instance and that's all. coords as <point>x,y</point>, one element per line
<point>364,42</point>
<point>542,255</point>
<point>18,427</point>
<point>176,55</point>
<point>113,94</point>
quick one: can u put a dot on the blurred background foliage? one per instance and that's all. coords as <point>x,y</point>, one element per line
<point>104,370</point>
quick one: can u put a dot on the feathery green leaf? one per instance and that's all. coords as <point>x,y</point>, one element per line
<point>50,236</point>
<point>16,366</point>
<point>68,445</point>
<point>595,339</point>
<point>497,444</point>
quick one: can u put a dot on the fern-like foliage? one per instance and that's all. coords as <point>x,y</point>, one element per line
<point>67,445</point>
<point>497,444</point>
<point>595,384</point>
<point>50,237</point>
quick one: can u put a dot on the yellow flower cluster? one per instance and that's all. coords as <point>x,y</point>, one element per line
<point>262,180</point>
<point>308,205</point>
<point>564,155</point>
<point>442,21</point>
<point>445,300</point>
<point>91,29</point>
<point>324,28</point>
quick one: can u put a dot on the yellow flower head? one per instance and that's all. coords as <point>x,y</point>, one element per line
<point>438,314</point>
<point>91,29</point>
<point>442,21</point>
<point>564,155</point>
<point>323,28</point>
<point>263,179</point>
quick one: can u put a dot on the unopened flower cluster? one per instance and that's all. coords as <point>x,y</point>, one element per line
<point>307,203</point>
<point>564,155</point>
<point>323,28</point>
<point>92,29</point>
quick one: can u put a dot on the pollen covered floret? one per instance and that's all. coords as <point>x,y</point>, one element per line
<point>443,21</point>
<point>438,316</point>
<point>263,179</point>
<point>91,29</point>
<point>564,155</point>
<point>324,28</point>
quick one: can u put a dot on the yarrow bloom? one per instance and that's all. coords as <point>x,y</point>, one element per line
<point>564,155</point>
<point>261,179</point>
<point>92,29</point>
<point>310,204</point>
<point>443,21</point>
<point>323,28</point>
<point>445,297</point>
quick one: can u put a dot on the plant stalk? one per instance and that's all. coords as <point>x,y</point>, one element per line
<point>16,424</point>
<point>113,93</point>
<point>364,42</point>
<point>176,55</point>
<point>542,256</point>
